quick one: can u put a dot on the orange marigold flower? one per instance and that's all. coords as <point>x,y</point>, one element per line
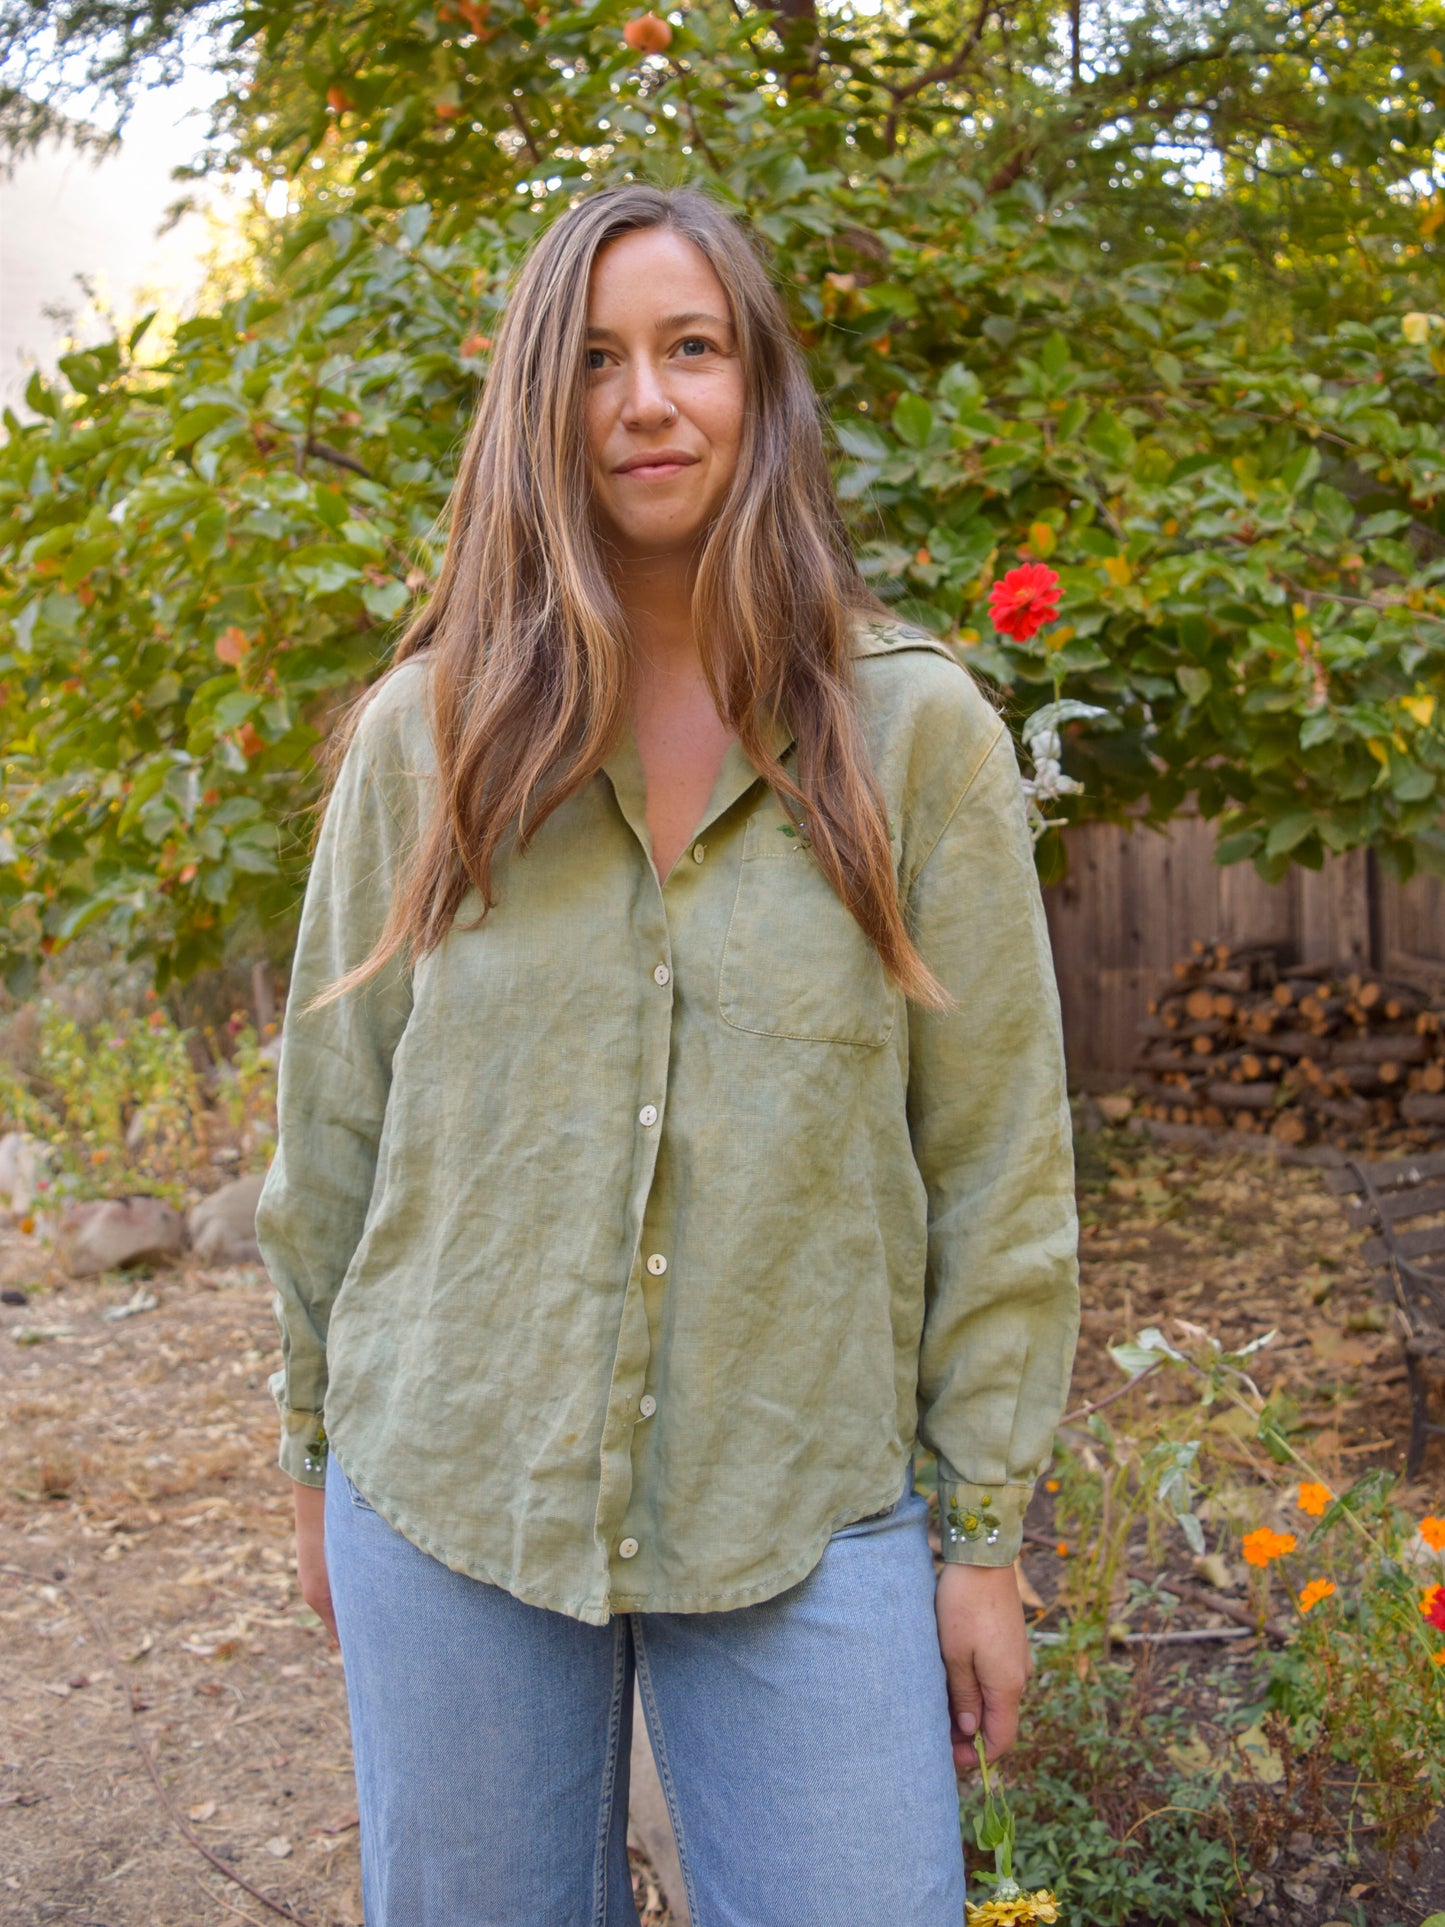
<point>1313,1499</point>
<point>1438,1659</point>
<point>1265,1544</point>
<point>1314,1592</point>
<point>1432,1531</point>
<point>1052,1485</point>
<point>1062,1548</point>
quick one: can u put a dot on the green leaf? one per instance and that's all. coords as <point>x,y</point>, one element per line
<point>1193,1533</point>
<point>386,600</point>
<point>865,440</point>
<point>1300,470</point>
<point>1367,1494</point>
<point>1288,832</point>
<point>40,398</point>
<point>912,420</point>
<point>1111,438</point>
<point>1194,681</point>
<point>232,710</point>
<point>1055,358</point>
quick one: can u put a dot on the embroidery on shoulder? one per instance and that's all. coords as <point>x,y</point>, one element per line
<point>879,635</point>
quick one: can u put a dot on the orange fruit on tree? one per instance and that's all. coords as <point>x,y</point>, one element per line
<point>647,34</point>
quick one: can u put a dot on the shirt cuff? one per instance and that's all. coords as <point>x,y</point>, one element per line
<point>981,1525</point>
<point>303,1447</point>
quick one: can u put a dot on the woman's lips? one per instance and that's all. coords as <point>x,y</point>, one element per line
<point>653,471</point>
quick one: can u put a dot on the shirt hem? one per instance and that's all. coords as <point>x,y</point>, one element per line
<point>587,1611</point>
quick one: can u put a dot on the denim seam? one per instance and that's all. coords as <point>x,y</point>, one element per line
<point>664,1768</point>
<point>601,1858</point>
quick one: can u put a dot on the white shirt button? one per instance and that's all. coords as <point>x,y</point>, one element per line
<point>628,1549</point>
<point>647,1115</point>
<point>657,1264</point>
<point>662,974</point>
<point>699,851</point>
<point>647,1405</point>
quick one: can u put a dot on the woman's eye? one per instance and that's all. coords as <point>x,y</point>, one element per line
<point>688,342</point>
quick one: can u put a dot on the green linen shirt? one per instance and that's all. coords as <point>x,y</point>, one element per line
<point>624,1246</point>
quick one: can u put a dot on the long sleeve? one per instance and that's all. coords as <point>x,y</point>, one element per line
<point>989,1119</point>
<point>333,1079</point>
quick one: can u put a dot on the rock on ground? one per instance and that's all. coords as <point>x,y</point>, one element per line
<point>222,1226</point>
<point>105,1233</point>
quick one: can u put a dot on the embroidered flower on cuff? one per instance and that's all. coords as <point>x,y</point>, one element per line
<point>316,1448</point>
<point>970,1523</point>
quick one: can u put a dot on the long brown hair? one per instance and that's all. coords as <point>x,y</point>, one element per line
<point>528,689</point>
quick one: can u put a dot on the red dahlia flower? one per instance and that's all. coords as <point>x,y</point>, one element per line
<point>1024,601</point>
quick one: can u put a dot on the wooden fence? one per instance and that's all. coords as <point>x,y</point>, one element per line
<point>1134,900</point>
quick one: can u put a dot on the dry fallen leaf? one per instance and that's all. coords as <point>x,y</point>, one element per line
<point>203,1811</point>
<point>279,1845</point>
<point>1213,1569</point>
<point>1026,1591</point>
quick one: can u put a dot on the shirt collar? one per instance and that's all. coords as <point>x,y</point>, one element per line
<point>736,776</point>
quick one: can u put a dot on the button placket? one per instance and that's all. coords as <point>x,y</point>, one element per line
<point>633,1358</point>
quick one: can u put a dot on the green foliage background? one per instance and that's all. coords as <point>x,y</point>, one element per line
<point>1158,299</point>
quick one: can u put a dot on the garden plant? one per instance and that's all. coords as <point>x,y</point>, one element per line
<point>1153,298</point>
<point>1130,330</point>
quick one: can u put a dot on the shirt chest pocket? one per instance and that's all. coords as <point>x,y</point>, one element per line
<point>795,963</point>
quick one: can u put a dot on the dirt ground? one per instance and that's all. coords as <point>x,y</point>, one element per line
<point>149,1610</point>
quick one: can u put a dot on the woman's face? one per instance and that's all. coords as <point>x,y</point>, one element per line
<point>659,339</point>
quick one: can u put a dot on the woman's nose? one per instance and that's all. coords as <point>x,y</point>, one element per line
<point>645,399</point>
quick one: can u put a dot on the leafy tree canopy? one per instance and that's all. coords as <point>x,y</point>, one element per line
<point>1154,298</point>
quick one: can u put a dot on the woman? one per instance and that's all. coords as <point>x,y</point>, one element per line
<point>672,1129</point>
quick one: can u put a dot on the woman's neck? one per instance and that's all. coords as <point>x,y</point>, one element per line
<point>656,597</point>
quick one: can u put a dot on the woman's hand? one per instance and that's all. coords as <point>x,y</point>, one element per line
<point>986,1656</point>
<point>311,1552</point>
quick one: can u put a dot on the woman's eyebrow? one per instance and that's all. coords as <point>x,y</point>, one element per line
<point>667,323</point>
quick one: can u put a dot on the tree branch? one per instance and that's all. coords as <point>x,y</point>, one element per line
<point>949,69</point>
<point>525,131</point>
<point>324,452</point>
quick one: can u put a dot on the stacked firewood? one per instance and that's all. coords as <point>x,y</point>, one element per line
<point>1237,1036</point>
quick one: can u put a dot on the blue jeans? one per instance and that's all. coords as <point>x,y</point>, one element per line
<point>802,1743</point>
